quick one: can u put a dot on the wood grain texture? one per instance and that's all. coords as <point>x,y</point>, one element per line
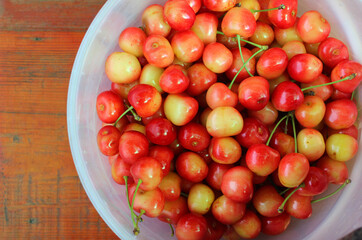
<point>42,197</point>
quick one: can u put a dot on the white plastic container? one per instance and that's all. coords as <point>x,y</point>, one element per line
<point>331,219</point>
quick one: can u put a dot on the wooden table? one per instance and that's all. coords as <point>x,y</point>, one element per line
<point>40,193</point>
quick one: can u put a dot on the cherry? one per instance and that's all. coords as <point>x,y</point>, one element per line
<point>315,183</point>
<point>324,92</point>
<point>170,186</point>
<point>341,147</point>
<point>150,75</point>
<point>283,36</point>
<point>263,35</point>
<point>254,132</point>
<point>191,166</point>
<point>287,96</point>
<point>298,206</point>
<point>205,27</point>
<point>227,211</point>
<point>272,63</point>
<point>179,15</point>
<point>273,83</point>
<point>132,146</point>
<point>187,46</point>
<point>253,93</point>
<point>135,127</point>
<point>131,40</point>
<point>145,99</point>
<point>109,106</point>
<point>219,95</point>
<point>352,131</point>
<point>311,112</point>
<point>275,225</point>
<point>237,184</point>
<point>336,171</point>
<point>238,21</point>
<point>224,122</point>
<point>332,51</point>
<point>252,5</point>
<point>283,143</point>
<point>191,227</point>
<point>268,115</point>
<point>149,171</point>
<point>262,159</point>
<point>108,140</point>
<point>311,143</point>
<point>194,137</point>
<point>225,150</point>
<point>180,109</point>
<point>200,198</point>
<point>267,200</point>
<point>121,168</point>
<point>161,131</point>
<point>122,67</point>
<point>312,27</point>
<point>249,226</point>
<point>340,114</point>
<point>174,79</point>
<point>153,21</point>
<point>164,155</point>
<point>217,57</point>
<point>238,63</point>
<point>219,6</point>
<point>350,69</point>
<point>284,17</point>
<point>158,51</point>
<point>201,78</point>
<point>305,67</point>
<point>293,169</point>
<point>195,4</point>
<point>174,210</point>
<point>215,174</point>
<point>150,202</point>
<point>215,229</point>
<point>293,48</point>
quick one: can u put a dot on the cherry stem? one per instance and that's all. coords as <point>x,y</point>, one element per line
<point>264,47</point>
<point>275,128</point>
<point>333,193</point>
<point>172,231</point>
<point>136,229</point>
<point>241,55</point>
<point>352,95</point>
<point>284,191</point>
<point>281,7</point>
<point>286,125</point>
<point>294,132</point>
<point>256,53</point>
<point>184,194</point>
<point>281,207</point>
<point>350,77</point>
<point>133,215</point>
<point>124,113</point>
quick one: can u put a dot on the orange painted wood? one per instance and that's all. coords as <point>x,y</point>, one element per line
<point>41,196</point>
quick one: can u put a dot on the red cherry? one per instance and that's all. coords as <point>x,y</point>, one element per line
<point>345,69</point>
<point>108,140</point>
<point>170,186</point>
<point>287,96</point>
<point>272,63</point>
<point>283,18</point>
<point>332,51</point>
<point>238,21</point>
<point>161,131</point>
<point>219,95</point>
<point>313,27</point>
<point>120,169</point>
<point>158,51</point>
<point>194,137</point>
<point>109,106</point>
<point>316,182</point>
<point>253,132</point>
<point>262,159</point>
<point>145,99</point>
<point>227,211</point>
<point>267,200</point>
<point>254,93</point>
<point>215,174</point>
<point>174,79</point>
<point>219,5</point>
<point>187,46</point>
<point>340,114</point>
<point>305,67</point>
<point>191,166</point>
<point>201,78</point>
<point>191,226</point>
<point>179,15</point>
<point>275,225</point>
<point>337,171</point>
<point>173,210</point>
<point>164,155</point>
<point>293,169</point>
<point>298,206</point>
<point>149,170</point>
<point>238,63</point>
<point>132,146</point>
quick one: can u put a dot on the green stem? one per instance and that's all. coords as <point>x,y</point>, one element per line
<point>294,133</point>
<point>241,55</point>
<point>282,6</point>
<point>281,207</point>
<point>284,191</point>
<point>275,128</point>
<point>352,95</point>
<point>350,77</point>
<point>184,194</point>
<point>264,47</point>
<point>172,231</point>
<point>136,230</point>
<point>333,193</point>
<point>124,113</point>
<point>286,125</point>
<point>256,53</point>
<point>133,215</point>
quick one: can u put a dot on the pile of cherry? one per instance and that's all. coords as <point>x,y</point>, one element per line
<point>227,118</point>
